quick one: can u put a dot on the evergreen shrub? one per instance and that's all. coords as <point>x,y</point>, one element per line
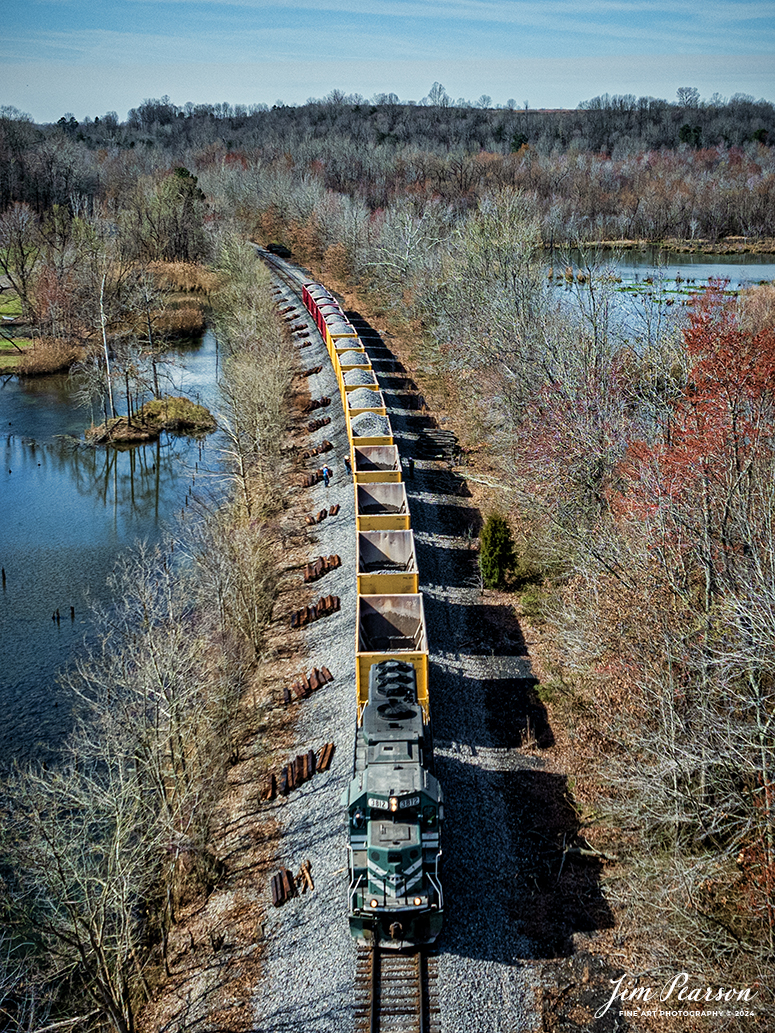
<point>496,551</point>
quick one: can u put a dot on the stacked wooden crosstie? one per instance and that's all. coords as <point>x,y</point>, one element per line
<point>326,605</point>
<point>298,771</point>
<point>322,565</point>
<point>307,684</point>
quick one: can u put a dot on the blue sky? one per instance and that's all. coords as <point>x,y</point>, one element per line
<point>92,56</point>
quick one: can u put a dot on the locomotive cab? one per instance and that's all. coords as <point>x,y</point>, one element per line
<point>395,809</point>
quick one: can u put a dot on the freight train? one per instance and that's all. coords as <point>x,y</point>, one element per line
<point>395,810</point>
<point>394,803</point>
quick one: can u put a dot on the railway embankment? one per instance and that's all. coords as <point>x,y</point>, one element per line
<point>309,965</point>
<point>519,920</point>
<point>485,980</point>
<point>527,919</point>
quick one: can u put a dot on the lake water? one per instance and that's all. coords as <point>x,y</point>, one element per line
<point>686,273</point>
<point>66,512</point>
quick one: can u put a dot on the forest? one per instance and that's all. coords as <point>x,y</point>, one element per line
<point>633,456</point>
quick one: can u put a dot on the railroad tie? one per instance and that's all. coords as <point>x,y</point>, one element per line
<point>308,614</point>
<point>325,757</point>
<point>271,787</point>
<point>328,604</point>
<point>334,509</point>
<point>306,684</point>
<point>322,608</point>
<point>322,565</point>
<point>318,403</point>
<point>317,424</point>
<point>304,877</point>
<point>278,891</point>
<point>324,446</point>
<point>289,884</point>
<point>298,689</point>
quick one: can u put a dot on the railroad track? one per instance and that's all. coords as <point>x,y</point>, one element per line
<point>281,271</point>
<point>396,992</point>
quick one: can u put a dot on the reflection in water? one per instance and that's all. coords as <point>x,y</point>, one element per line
<point>691,272</point>
<point>66,512</point>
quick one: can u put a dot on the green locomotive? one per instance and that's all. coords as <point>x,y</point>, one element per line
<point>395,811</point>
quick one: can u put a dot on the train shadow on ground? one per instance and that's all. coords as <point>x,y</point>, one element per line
<point>484,629</point>
<point>464,521</point>
<point>461,561</point>
<point>519,878</point>
<point>510,713</point>
<point>525,896</point>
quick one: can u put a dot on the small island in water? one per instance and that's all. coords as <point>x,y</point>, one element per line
<point>175,413</point>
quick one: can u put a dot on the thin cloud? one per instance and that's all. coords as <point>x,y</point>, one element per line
<point>208,37</point>
<point>556,54</point>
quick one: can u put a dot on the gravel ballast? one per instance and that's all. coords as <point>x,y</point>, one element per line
<point>359,376</point>
<point>363,398</point>
<point>353,358</point>
<point>310,956</point>
<point>489,972</point>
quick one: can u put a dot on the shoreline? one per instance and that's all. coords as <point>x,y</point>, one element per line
<point>725,246</point>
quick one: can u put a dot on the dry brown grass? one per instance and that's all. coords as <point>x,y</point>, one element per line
<point>188,319</point>
<point>185,276</point>
<point>757,307</point>
<point>49,355</point>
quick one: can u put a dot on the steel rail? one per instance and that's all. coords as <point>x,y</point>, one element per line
<point>396,988</point>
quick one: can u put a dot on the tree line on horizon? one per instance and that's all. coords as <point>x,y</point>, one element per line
<point>619,123</point>
<point>616,167</point>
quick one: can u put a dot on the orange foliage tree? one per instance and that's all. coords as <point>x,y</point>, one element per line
<point>701,492</point>
<point>692,483</point>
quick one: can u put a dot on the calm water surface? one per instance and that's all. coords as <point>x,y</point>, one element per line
<point>690,271</point>
<point>66,513</point>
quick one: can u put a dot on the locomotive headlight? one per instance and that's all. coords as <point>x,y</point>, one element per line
<point>417,901</point>
<point>374,903</point>
<point>394,803</point>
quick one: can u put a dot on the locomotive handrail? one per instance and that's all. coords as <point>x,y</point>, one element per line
<point>436,881</point>
<point>354,889</point>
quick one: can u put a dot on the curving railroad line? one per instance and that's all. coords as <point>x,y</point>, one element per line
<point>281,270</point>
